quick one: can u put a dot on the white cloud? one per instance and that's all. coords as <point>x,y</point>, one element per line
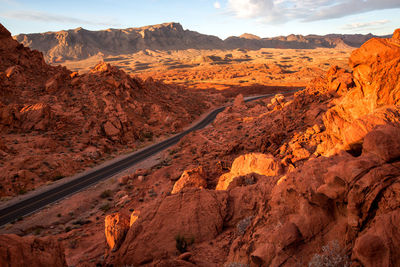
<point>217,5</point>
<point>280,11</point>
<point>363,25</point>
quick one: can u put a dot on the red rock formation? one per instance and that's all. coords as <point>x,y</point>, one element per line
<point>374,99</point>
<point>312,209</point>
<point>190,179</point>
<point>194,216</point>
<point>18,251</point>
<point>116,227</point>
<point>82,117</point>
<point>343,198</point>
<point>251,163</point>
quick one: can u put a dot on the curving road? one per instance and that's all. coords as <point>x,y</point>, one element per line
<point>37,202</point>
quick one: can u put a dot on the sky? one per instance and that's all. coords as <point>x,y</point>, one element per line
<point>223,18</point>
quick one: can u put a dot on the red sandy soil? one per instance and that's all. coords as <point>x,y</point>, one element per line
<point>285,181</point>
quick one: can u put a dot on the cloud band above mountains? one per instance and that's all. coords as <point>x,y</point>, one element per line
<point>281,11</point>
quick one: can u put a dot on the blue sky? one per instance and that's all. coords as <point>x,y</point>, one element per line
<point>222,18</point>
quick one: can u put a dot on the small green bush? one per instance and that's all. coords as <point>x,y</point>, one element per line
<point>148,135</point>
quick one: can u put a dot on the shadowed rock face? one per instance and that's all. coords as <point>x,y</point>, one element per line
<point>18,251</point>
<point>80,43</point>
<point>162,228</point>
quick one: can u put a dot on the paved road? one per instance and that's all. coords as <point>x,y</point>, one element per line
<point>35,203</point>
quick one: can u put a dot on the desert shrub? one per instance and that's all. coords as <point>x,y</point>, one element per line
<point>182,243</point>
<point>241,227</point>
<point>57,177</point>
<point>37,231</point>
<point>22,192</point>
<point>81,222</point>
<point>106,194</point>
<point>105,207</point>
<point>332,256</point>
<point>148,135</point>
<point>173,151</point>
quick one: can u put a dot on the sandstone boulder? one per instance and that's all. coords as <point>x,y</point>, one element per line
<point>116,227</point>
<point>193,178</point>
<point>383,142</point>
<point>250,163</point>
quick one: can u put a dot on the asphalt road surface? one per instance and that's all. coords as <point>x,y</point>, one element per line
<point>37,202</point>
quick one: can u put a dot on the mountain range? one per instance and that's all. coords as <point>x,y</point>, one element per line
<point>80,43</point>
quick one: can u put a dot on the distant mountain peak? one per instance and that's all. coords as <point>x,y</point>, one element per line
<point>250,36</point>
<point>79,29</point>
<point>171,25</point>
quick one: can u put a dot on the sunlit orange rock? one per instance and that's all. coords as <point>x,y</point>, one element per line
<point>250,163</point>
<point>193,178</point>
<point>373,99</point>
<point>116,227</point>
<point>134,217</point>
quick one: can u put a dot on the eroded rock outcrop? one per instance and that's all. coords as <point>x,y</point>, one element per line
<point>191,217</point>
<point>250,163</point>
<point>374,98</point>
<point>116,227</point>
<point>190,179</point>
<point>18,251</point>
<point>347,199</point>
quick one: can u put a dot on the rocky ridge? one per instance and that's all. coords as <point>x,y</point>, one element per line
<point>79,43</point>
